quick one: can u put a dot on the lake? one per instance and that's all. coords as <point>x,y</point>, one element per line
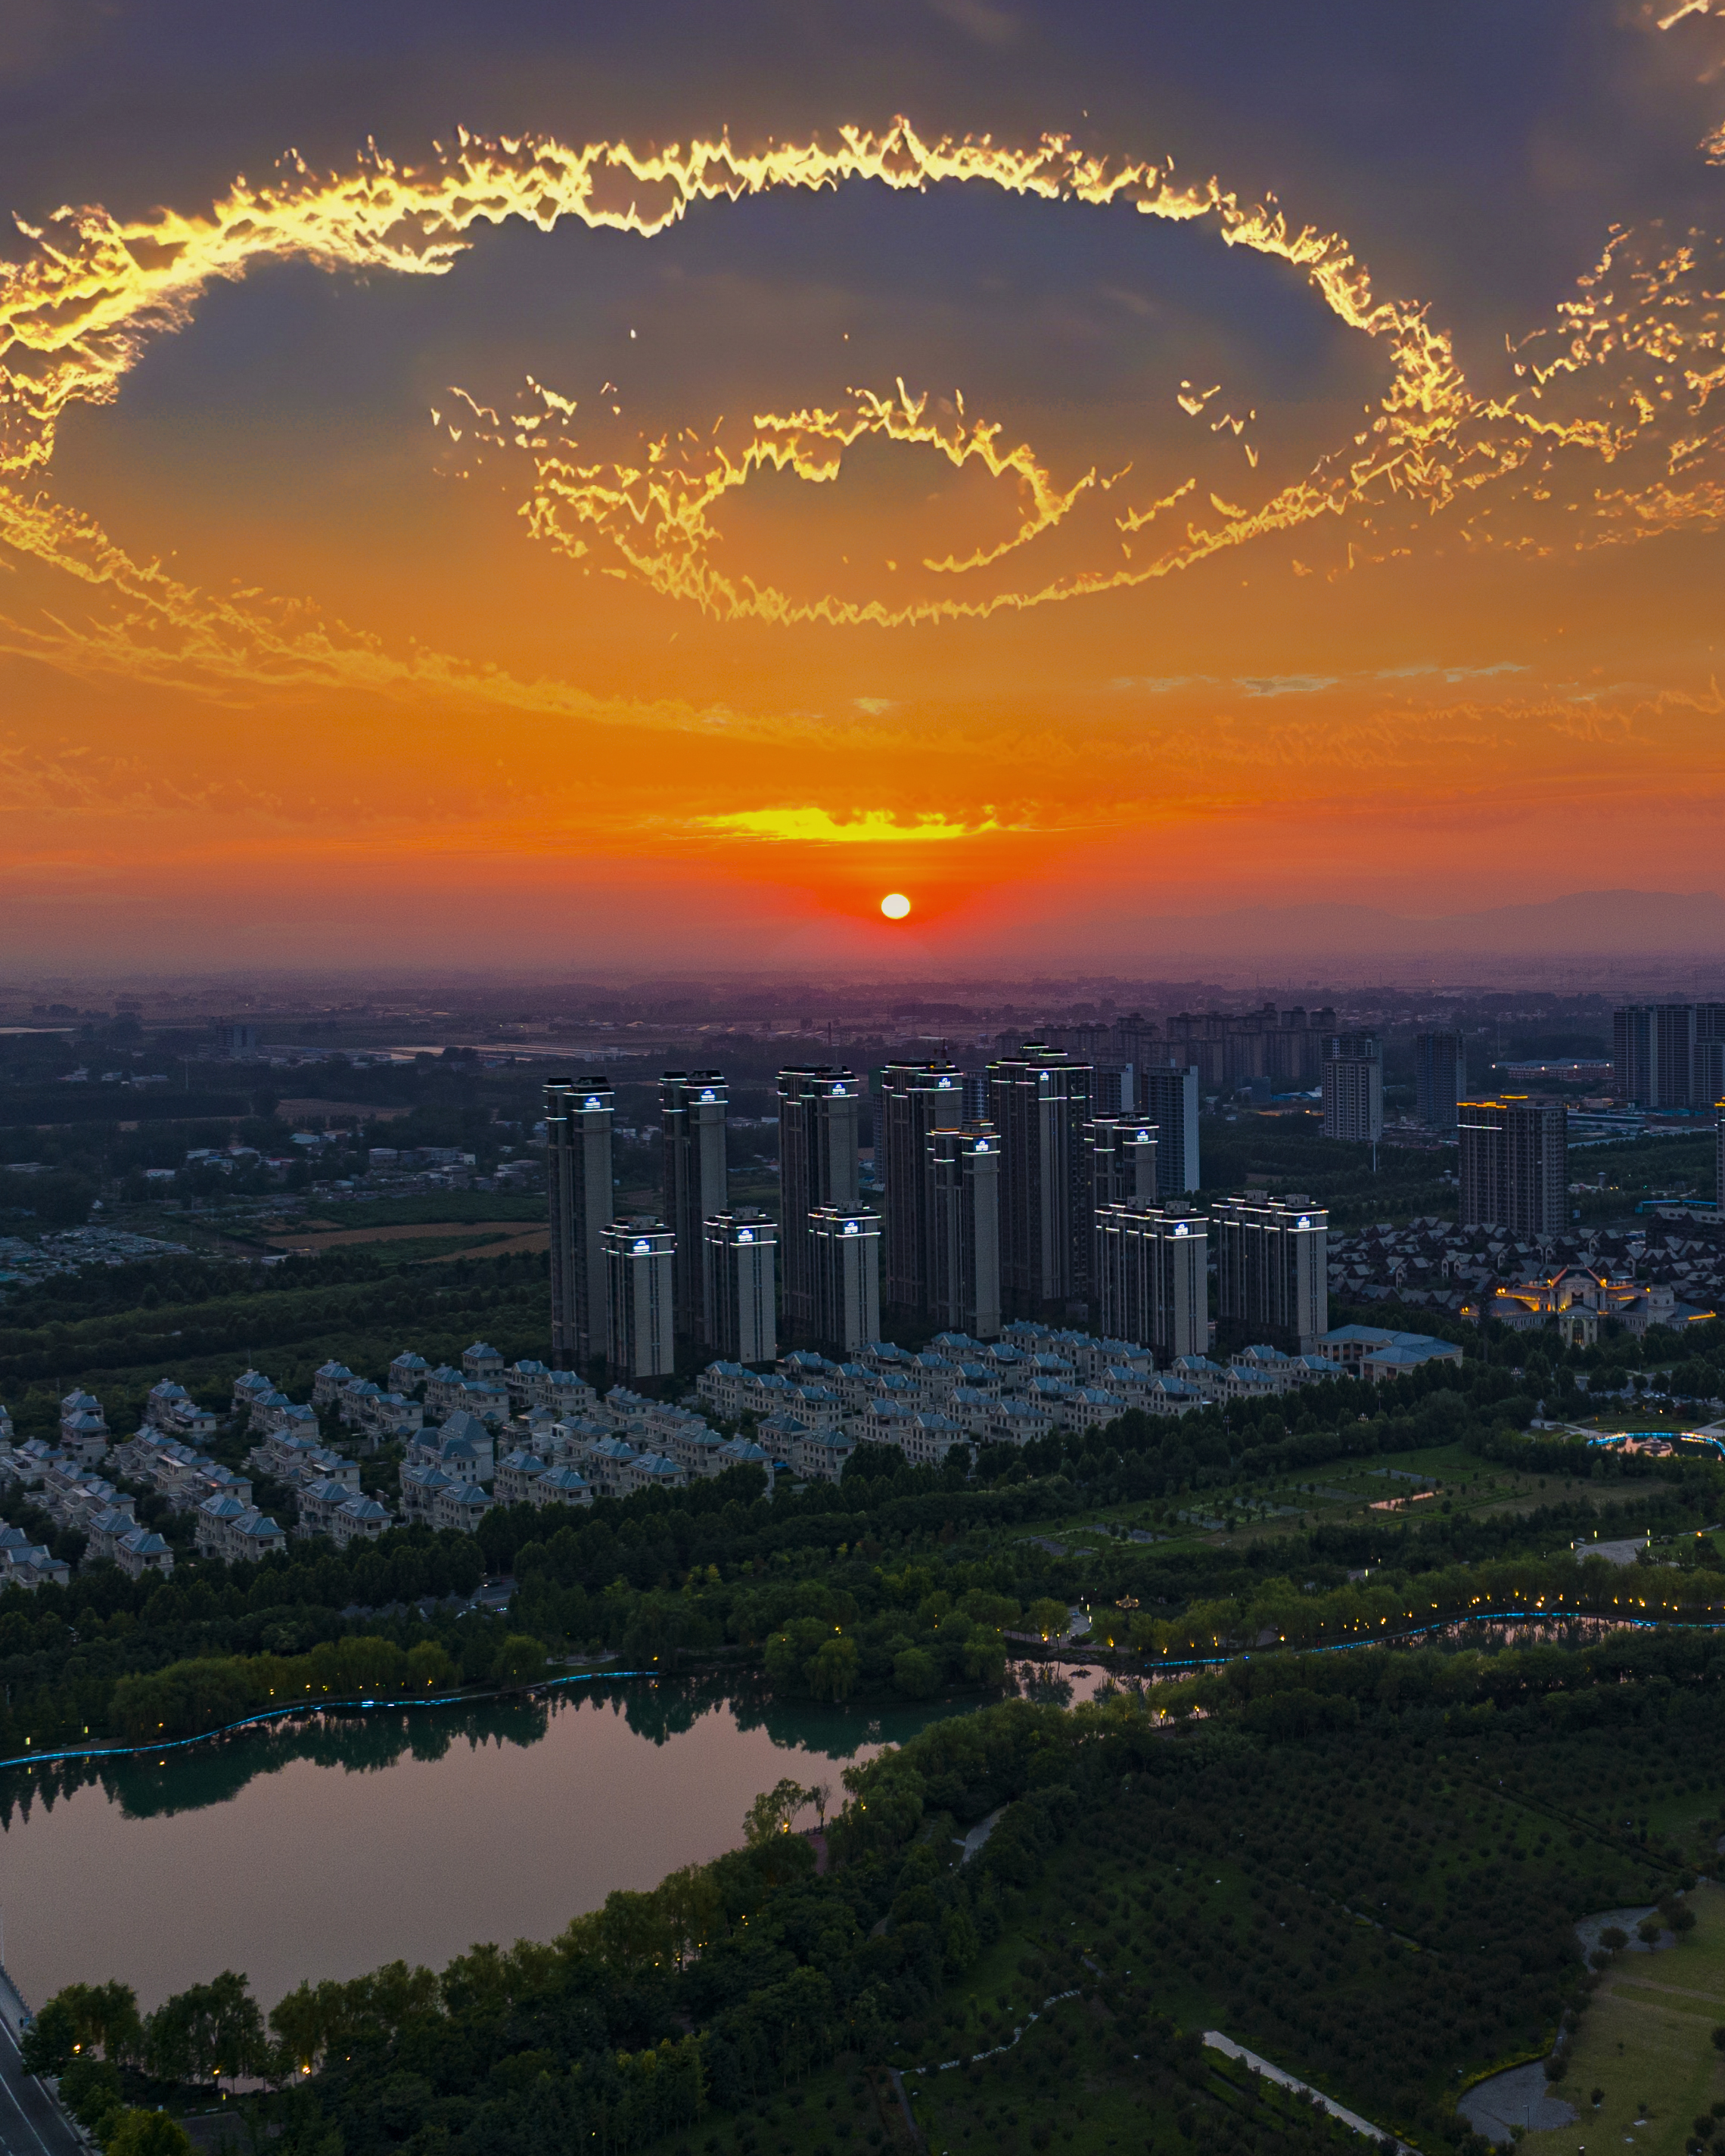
<point>328,1847</point>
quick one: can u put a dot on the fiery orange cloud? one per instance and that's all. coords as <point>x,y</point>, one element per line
<point>74,317</point>
<point>1606,435</point>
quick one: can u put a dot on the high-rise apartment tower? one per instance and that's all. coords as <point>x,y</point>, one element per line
<point>1154,1288</point>
<point>577,1132</point>
<point>737,1252</point>
<point>963,1172</point>
<point>640,1270</point>
<point>1439,1078</point>
<point>844,1247</point>
<point>1514,1165</point>
<point>1353,1087</point>
<point>914,1099</point>
<point>1039,1103</point>
<point>697,1183</point>
<point>1166,1094</point>
<point>817,1166</point>
<point>1668,1056</point>
<point>1272,1270</point>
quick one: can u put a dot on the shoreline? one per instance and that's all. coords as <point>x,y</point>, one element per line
<point>1114,1662</point>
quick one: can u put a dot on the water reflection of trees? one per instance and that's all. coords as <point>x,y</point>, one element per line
<point>160,1785</point>
<point>668,1707</point>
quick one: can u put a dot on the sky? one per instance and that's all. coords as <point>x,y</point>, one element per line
<point>538,483</point>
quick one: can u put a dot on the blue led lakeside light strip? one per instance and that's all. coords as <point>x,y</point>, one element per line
<point>1443,1624</point>
<point>594,1677</point>
<point>313,1706</point>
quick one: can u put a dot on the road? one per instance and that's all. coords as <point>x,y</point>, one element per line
<point>1351,2119</point>
<point>30,2122</point>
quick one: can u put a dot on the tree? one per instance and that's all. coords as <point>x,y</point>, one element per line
<point>105,2018</point>
<point>771,1813</point>
<point>1049,1618</point>
<point>430,1668</point>
<point>148,2133</point>
<point>519,1660</point>
<point>693,1910</point>
<point>985,1657</point>
<point>300,2023</point>
<point>213,2029</point>
<point>89,2089</point>
<point>820,1796</point>
<point>914,1674</point>
<point>50,2042</point>
<point>832,1674</point>
<point>1614,1937</point>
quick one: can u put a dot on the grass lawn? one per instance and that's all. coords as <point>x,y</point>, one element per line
<point>1648,2035</point>
<point>1288,1505</point>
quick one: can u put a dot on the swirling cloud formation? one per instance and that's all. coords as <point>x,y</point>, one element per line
<point>1605,433</point>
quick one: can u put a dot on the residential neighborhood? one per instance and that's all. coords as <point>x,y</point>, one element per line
<point>486,1434</point>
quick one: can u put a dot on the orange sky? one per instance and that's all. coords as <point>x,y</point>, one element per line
<point>535,550</point>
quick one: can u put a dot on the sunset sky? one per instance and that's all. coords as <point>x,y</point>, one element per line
<point>531,484</point>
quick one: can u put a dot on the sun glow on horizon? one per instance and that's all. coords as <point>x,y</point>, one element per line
<point>895,905</point>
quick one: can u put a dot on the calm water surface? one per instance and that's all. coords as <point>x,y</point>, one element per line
<point>329,1846</point>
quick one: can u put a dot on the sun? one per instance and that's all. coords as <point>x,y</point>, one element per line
<point>895,905</point>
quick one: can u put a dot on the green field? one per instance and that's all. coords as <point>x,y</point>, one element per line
<point>1282,1508</point>
<point>1647,2038</point>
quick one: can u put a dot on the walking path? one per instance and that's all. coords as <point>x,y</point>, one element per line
<point>1351,2119</point>
<point>947,2066</point>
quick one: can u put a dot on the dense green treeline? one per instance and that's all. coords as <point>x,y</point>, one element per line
<point>1378,1880</point>
<point>898,1578</point>
<point>345,1305</point>
<point>1397,1601</point>
<point>208,1691</point>
<point>64,1651</point>
<point>348,1287</point>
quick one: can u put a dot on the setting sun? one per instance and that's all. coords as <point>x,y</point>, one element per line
<point>895,905</point>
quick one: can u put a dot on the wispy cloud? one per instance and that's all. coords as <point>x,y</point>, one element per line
<point>1309,685</point>
<point>1419,672</point>
<point>1286,684</point>
<point>1160,684</point>
<point>864,827</point>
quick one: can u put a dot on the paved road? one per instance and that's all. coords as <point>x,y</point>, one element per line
<point>30,2122</point>
<point>1218,2042</point>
